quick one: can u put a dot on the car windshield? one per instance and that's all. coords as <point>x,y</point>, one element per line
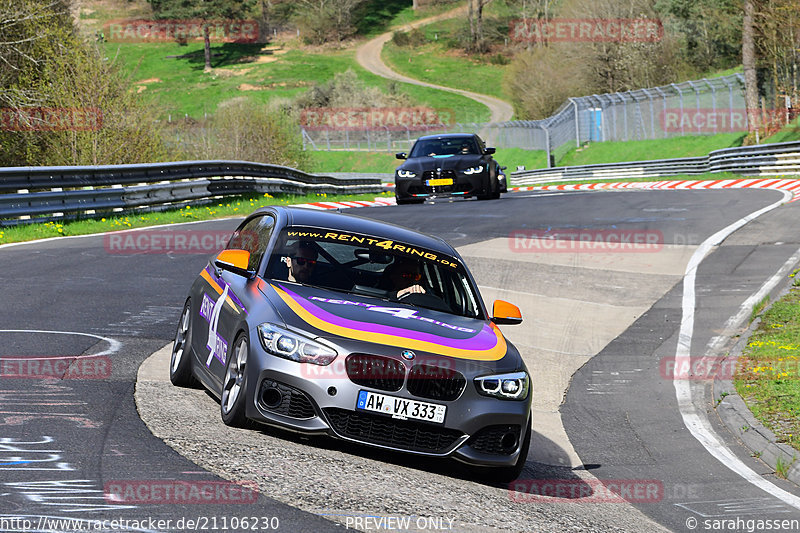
<point>373,267</point>
<point>445,146</point>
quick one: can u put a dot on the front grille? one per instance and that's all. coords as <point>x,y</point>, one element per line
<point>431,174</point>
<point>496,440</point>
<point>435,382</point>
<point>400,434</point>
<point>293,402</point>
<point>375,371</point>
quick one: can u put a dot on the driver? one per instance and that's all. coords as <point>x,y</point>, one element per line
<point>302,261</point>
<point>404,276</point>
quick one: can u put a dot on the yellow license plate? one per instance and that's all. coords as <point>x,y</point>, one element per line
<point>439,181</point>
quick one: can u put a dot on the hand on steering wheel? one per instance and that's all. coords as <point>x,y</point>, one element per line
<point>414,289</point>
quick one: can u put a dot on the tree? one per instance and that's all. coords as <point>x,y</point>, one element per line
<point>710,31</point>
<point>207,11</point>
<point>749,65</point>
<point>70,105</point>
<point>27,28</point>
<point>476,42</point>
<point>777,48</point>
<point>322,21</point>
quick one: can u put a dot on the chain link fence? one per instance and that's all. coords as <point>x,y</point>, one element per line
<point>698,107</point>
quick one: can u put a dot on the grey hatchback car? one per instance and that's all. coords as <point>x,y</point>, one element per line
<point>333,324</point>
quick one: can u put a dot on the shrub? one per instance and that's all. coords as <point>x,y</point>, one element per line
<point>346,90</point>
<point>245,130</point>
<point>415,37</point>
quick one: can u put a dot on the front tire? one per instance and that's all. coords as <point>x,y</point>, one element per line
<point>490,194</point>
<point>234,386</point>
<point>180,363</point>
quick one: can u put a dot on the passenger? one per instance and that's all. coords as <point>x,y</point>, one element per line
<point>302,261</point>
<point>403,276</point>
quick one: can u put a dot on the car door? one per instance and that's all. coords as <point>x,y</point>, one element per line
<point>225,300</point>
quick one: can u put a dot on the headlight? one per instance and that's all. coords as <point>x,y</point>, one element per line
<point>513,386</point>
<point>406,174</point>
<point>288,345</point>
<point>473,170</point>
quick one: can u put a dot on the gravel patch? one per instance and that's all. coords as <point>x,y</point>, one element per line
<point>340,480</point>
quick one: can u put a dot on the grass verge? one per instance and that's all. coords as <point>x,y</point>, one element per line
<point>385,14</point>
<point>231,207</point>
<point>171,76</point>
<point>339,161</point>
<point>768,374</point>
<point>434,63</point>
<point>621,151</point>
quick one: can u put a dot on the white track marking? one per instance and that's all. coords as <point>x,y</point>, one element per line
<point>747,306</point>
<point>695,421</point>
<point>113,344</point>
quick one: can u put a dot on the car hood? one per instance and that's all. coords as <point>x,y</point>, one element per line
<point>449,162</point>
<point>344,318</point>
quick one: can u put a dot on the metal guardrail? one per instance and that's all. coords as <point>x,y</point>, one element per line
<point>50,193</point>
<point>759,160</point>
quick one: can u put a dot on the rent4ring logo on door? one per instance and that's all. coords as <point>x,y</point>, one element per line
<point>210,310</point>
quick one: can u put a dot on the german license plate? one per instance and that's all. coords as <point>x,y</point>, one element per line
<point>439,181</point>
<point>401,408</point>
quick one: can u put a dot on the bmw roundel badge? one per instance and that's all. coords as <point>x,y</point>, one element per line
<point>408,355</point>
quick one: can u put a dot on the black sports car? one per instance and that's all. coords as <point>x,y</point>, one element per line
<point>453,164</point>
<point>332,324</point>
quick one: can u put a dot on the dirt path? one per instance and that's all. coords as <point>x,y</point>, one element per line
<point>368,56</point>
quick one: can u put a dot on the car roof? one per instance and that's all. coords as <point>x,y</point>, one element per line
<point>302,216</point>
<point>448,135</point>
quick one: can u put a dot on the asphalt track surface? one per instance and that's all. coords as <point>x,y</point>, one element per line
<point>64,442</point>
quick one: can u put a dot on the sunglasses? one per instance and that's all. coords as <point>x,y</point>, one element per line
<point>414,276</point>
<point>302,261</point>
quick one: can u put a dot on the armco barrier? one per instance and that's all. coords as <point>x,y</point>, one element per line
<point>761,160</point>
<point>67,192</point>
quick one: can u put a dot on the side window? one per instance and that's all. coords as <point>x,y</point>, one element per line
<point>253,236</point>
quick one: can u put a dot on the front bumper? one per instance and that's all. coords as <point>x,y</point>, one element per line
<point>463,185</point>
<point>477,429</point>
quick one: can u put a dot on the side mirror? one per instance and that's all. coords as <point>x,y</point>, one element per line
<point>489,151</point>
<point>506,313</point>
<point>400,155</point>
<point>234,261</point>
<point>503,168</point>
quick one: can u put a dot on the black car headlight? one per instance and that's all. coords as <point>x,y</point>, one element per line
<point>406,174</point>
<point>512,386</point>
<point>294,347</point>
<point>473,170</point>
